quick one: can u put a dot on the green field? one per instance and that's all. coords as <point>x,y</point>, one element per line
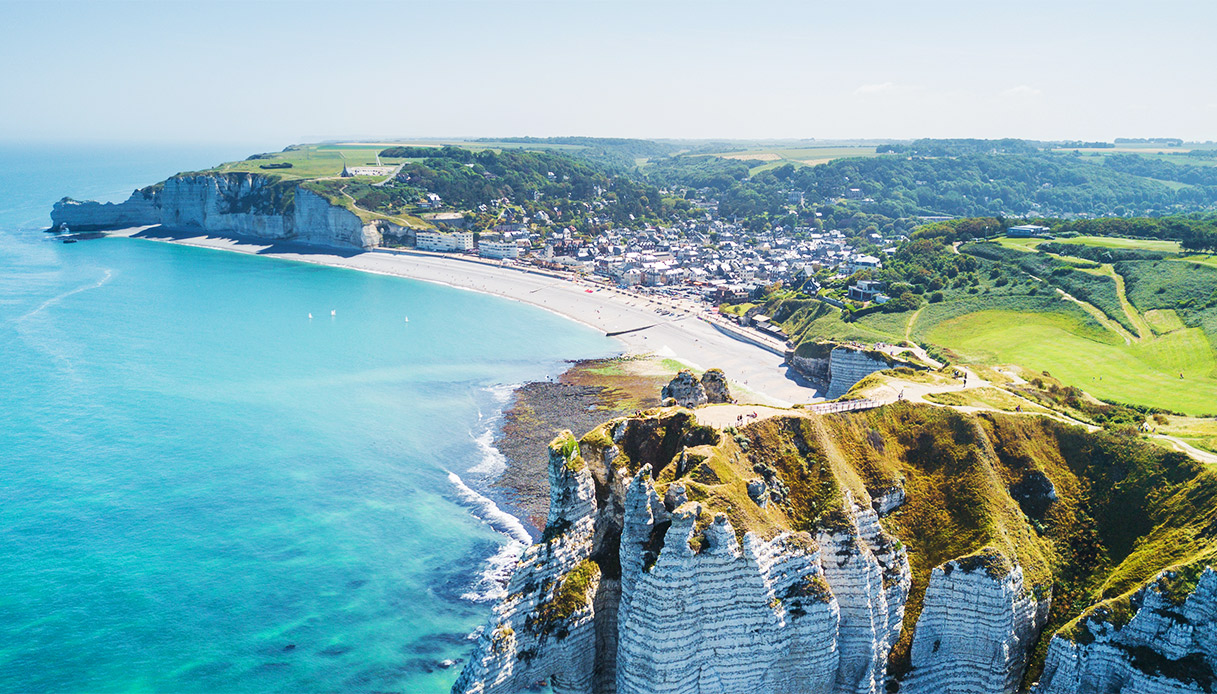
<point>1146,372</point>
<point>1163,321</point>
<point>1201,259</point>
<point>1019,244</point>
<point>310,161</point>
<point>1123,243</point>
<point>326,160</point>
<point>1157,245</point>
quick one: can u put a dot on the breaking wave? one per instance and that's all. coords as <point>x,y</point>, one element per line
<point>492,583</point>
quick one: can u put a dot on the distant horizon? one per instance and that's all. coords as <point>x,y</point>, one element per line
<point>395,139</point>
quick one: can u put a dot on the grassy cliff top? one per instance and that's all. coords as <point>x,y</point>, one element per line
<point>308,161</point>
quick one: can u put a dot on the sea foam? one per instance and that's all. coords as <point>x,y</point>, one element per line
<point>491,584</point>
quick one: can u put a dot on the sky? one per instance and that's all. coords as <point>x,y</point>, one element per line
<point>278,72</point>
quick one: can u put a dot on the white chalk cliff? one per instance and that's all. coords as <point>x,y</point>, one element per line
<point>635,588</point>
<point>977,627</point>
<point>242,204</point>
<point>1169,646</point>
<point>837,368</point>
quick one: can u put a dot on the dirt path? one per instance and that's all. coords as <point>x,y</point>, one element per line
<point>722,416</point>
<point>908,326</point>
<point>1138,321</point>
<point>1202,456</point>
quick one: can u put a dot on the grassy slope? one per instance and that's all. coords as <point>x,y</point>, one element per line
<point>1045,333</point>
<point>1103,538</point>
<point>1143,372</point>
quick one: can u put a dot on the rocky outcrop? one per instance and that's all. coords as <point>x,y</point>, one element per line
<point>686,390</point>
<point>139,210</point>
<point>715,383</point>
<point>241,204</point>
<point>847,366</point>
<point>769,558</point>
<point>837,368</point>
<point>545,627</point>
<point>1159,643</point>
<point>977,626</point>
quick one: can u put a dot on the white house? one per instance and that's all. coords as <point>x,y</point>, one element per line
<point>498,249</point>
<point>439,241</point>
<point>863,262</point>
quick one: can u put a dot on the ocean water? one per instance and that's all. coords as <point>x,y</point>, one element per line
<point>203,490</point>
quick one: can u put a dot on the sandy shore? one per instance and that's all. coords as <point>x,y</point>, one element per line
<point>687,335</point>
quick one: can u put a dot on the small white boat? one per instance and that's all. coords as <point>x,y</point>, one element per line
<point>310,316</point>
<point>407,319</point>
<point>333,312</point>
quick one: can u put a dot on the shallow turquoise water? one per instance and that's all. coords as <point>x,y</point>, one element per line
<point>203,490</point>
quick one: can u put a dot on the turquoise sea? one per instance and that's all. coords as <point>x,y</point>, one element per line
<point>203,490</point>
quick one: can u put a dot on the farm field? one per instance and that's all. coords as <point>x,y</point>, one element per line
<point>312,161</point>
<point>1146,373</point>
<point>799,156</point>
<point>1123,243</point>
<point>326,160</point>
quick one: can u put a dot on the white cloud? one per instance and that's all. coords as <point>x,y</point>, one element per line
<point>1022,91</point>
<point>868,89</point>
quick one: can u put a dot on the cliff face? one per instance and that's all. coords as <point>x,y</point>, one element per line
<point>138,210</point>
<point>848,366</point>
<point>896,549</point>
<point>1168,645</point>
<point>837,368</point>
<point>977,628</point>
<point>677,602</point>
<point>230,203</point>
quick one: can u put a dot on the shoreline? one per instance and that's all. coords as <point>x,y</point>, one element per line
<point>584,396</point>
<point>686,335</point>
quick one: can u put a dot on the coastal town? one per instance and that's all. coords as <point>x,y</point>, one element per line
<point>708,260</point>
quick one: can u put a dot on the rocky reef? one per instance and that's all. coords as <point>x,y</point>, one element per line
<point>242,204</point>
<point>905,549</point>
